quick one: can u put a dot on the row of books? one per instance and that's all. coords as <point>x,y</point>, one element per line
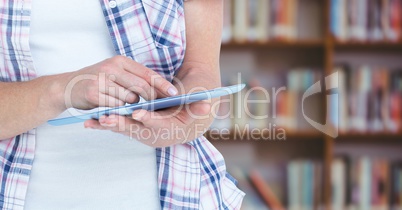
<point>362,183</point>
<point>260,20</point>
<point>366,20</point>
<point>295,185</point>
<point>366,183</point>
<point>370,100</point>
<point>263,104</point>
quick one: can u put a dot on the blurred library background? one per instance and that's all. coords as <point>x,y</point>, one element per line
<point>282,48</point>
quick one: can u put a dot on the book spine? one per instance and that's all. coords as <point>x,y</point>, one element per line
<point>361,33</point>
<point>240,20</point>
<point>395,20</point>
<point>292,19</point>
<point>240,117</point>
<point>227,21</point>
<point>365,183</point>
<point>338,183</point>
<point>294,191</point>
<point>263,20</point>
<point>335,18</point>
<point>252,15</point>
<point>375,31</point>
<point>353,19</point>
<point>280,24</point>
<point>265,190</point>
<point>385,19</point>
<point>384,191</point>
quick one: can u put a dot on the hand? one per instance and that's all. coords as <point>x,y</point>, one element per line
<point>114,82</point>
<point>159,128</point>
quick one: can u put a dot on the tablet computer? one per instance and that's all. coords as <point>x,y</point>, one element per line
<point>152,105</point>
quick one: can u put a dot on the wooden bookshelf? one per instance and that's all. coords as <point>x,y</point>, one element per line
<point>381,45</point>
<point>302,44</point>
<point>329,48</point>
<point>378,137</point>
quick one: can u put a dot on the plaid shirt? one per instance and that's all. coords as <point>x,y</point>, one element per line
<point>152,32</point>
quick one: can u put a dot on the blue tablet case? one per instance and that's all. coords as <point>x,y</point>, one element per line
<point>151,105</point>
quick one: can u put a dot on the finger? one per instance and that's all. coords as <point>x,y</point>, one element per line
<point>116,91</point>
<point>193,111</point>
<point>136,84</point>
<point>103,123</point>
<point>200,108</point>
<point>151,119</point>
<point>154,79</point>
<point>162,119</point>
<point>109,101</point>
<point>94,124</point>
<point>119,124</point>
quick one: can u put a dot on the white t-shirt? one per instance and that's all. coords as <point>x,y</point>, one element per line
<point>74,167</point>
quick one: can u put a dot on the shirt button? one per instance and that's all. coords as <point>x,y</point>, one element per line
<point>112,4</point>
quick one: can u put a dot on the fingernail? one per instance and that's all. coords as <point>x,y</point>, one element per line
<point>110,125</point>
<point>135,117</point>
<point>172,91</point>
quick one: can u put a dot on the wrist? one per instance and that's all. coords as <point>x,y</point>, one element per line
<point>56,92</point>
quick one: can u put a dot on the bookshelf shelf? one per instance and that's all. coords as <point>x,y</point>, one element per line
<point>275,44</point>
<point>380,45</point>
<point>370,137</point>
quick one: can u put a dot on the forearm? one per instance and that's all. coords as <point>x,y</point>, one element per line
<point>200,68</point>
<point>26,105</point>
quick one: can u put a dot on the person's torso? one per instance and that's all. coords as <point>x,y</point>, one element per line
<point>152,32</point>
<point>147,31</point>
<point>76,167</point>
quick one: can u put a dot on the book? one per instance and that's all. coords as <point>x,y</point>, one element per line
<point>354,21</point>
<point>307,185</point>
<point>369,100</point>
<point>292,19</point>
<point>240,117</point>
<point>366,20</point>
<point>301,185</point>
<point>394,20</point>
<point>265,191</point>
<point>284,23</point>
<point>227,33</point>
<point>396,190</point>
<point>338,183</point>
<point>318,183</point>
<point>395,101</point>
<point>375,32</point>
<point>258,101</point>
<point>385,19</point>
<point>252,19</point>
<point>339,19</point>
<point>240,20</point>
<point>369,180</point>
<point>294,185</point>
<point>380,184</point>
<point>263,20</point>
